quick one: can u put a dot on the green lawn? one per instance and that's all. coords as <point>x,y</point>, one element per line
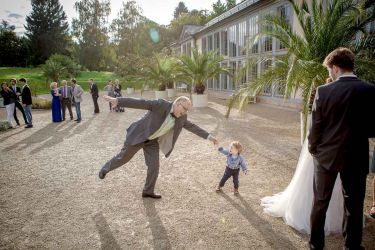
<point>40,85</point>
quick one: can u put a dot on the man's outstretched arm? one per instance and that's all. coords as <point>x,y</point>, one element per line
<point>133,103</point>
<point>188,125</point>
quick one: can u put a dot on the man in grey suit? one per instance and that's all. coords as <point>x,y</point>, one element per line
<point>77,98</point>
<point>159,128</point>
<point>66,99</point>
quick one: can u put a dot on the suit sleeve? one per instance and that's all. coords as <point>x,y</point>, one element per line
<point>136,103</point>
<point>188,125</point>
<point>25,96</point>
<point>371,104</point>
<point>316,128</point>
<point>80,92</point>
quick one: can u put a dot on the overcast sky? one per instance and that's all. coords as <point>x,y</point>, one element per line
<point>160,11</point>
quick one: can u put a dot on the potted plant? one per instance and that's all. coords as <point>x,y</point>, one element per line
<point>161,71</point>
<point>198,68</point>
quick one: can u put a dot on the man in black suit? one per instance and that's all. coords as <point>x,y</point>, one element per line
<point>18,105</point>
<point>159,128</point>
<point>94,91</point>
<point>338,141</point>
<point>27,102</point>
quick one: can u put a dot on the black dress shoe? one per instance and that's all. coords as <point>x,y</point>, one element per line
<point>29,126</point>
<point>154,196</point>
<point>102,174</point>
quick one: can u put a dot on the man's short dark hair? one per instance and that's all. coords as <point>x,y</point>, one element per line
<point>22,80</point>
<point>74,81</point>
<point>342,58</point>
<point>13,80</point>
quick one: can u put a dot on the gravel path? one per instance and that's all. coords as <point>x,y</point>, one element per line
<point>51,197</point>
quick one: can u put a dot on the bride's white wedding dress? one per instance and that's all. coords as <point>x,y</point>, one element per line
<point>295,202</point>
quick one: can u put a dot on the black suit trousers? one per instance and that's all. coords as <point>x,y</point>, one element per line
<point>66,103</point>
<point>353,188</point>
<point>151,154</point>
<point>96,106</point>
<point>18,105</point>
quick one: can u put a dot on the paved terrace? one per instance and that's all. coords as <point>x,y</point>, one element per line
<point>52,198</point>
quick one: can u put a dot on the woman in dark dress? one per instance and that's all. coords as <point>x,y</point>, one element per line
<point>9,102</point>
<point>56,107</point>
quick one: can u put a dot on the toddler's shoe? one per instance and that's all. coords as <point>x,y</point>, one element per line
<point>218,189</point>
<point>235,191</point>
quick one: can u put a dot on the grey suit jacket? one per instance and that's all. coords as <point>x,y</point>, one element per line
<point>77,93</point>
<point>158,110</point>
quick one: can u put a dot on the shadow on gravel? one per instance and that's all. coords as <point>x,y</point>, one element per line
<point>159,234</point>
<point>108,242</point>
<point>276,240</point>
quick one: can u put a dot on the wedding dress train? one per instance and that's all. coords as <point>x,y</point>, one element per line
<point>295,202</point>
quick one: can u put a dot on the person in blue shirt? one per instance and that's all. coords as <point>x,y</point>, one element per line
<point>235,161</point>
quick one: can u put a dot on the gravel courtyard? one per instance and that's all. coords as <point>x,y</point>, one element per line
<point>51,196</point>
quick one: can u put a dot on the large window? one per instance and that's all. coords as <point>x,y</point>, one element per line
<point>253,31</point>
<point>243,79</point>
<point>224,42</point>
<point>232,41</point>
<point>253,72</point>
<point>233,70</point>
<point>285,13</point>
<point>217,42</point>
<point>224,78</point>
<point>188,48</point>
<point>204,44</point>
<point>266,65</point>
<point>242,35</point>
<point>210,43</point>
<point>267,43</point>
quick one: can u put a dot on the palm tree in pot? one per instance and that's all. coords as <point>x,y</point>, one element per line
<point>161,71</point>
<point>199,67</point>
<point>325,26</point>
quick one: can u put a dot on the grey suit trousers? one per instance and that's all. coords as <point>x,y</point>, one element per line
<point>151,153</point>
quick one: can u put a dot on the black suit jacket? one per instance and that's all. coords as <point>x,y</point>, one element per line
<point>18,90</point>
<point>158,110</point>
<point>94,90</point>
<point>26,95</point>
<point>8,96</point>
<point>341,124</point>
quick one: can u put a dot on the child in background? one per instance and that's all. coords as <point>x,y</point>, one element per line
<point>234,162</point>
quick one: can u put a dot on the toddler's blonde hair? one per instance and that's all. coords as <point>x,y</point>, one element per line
<point>237,145</point>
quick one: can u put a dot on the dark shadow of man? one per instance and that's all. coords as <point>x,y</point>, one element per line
<point>275,240</point>
<point>108,242</point>
<point>159,234</point>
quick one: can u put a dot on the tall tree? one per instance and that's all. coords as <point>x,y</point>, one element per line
<point>14,51</point>
<point>180,9</point>
<point>47,30</point>
<point>125,25</point>
<point>91,31</point>
<point>230,4</point>
<point>219,7</point>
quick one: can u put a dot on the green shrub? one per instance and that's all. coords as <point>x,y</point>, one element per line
<point>4,125</point>
<point>60,66</point>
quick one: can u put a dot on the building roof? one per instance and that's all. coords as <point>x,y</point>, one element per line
<point>236,9</point>
<point>188,31</point>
